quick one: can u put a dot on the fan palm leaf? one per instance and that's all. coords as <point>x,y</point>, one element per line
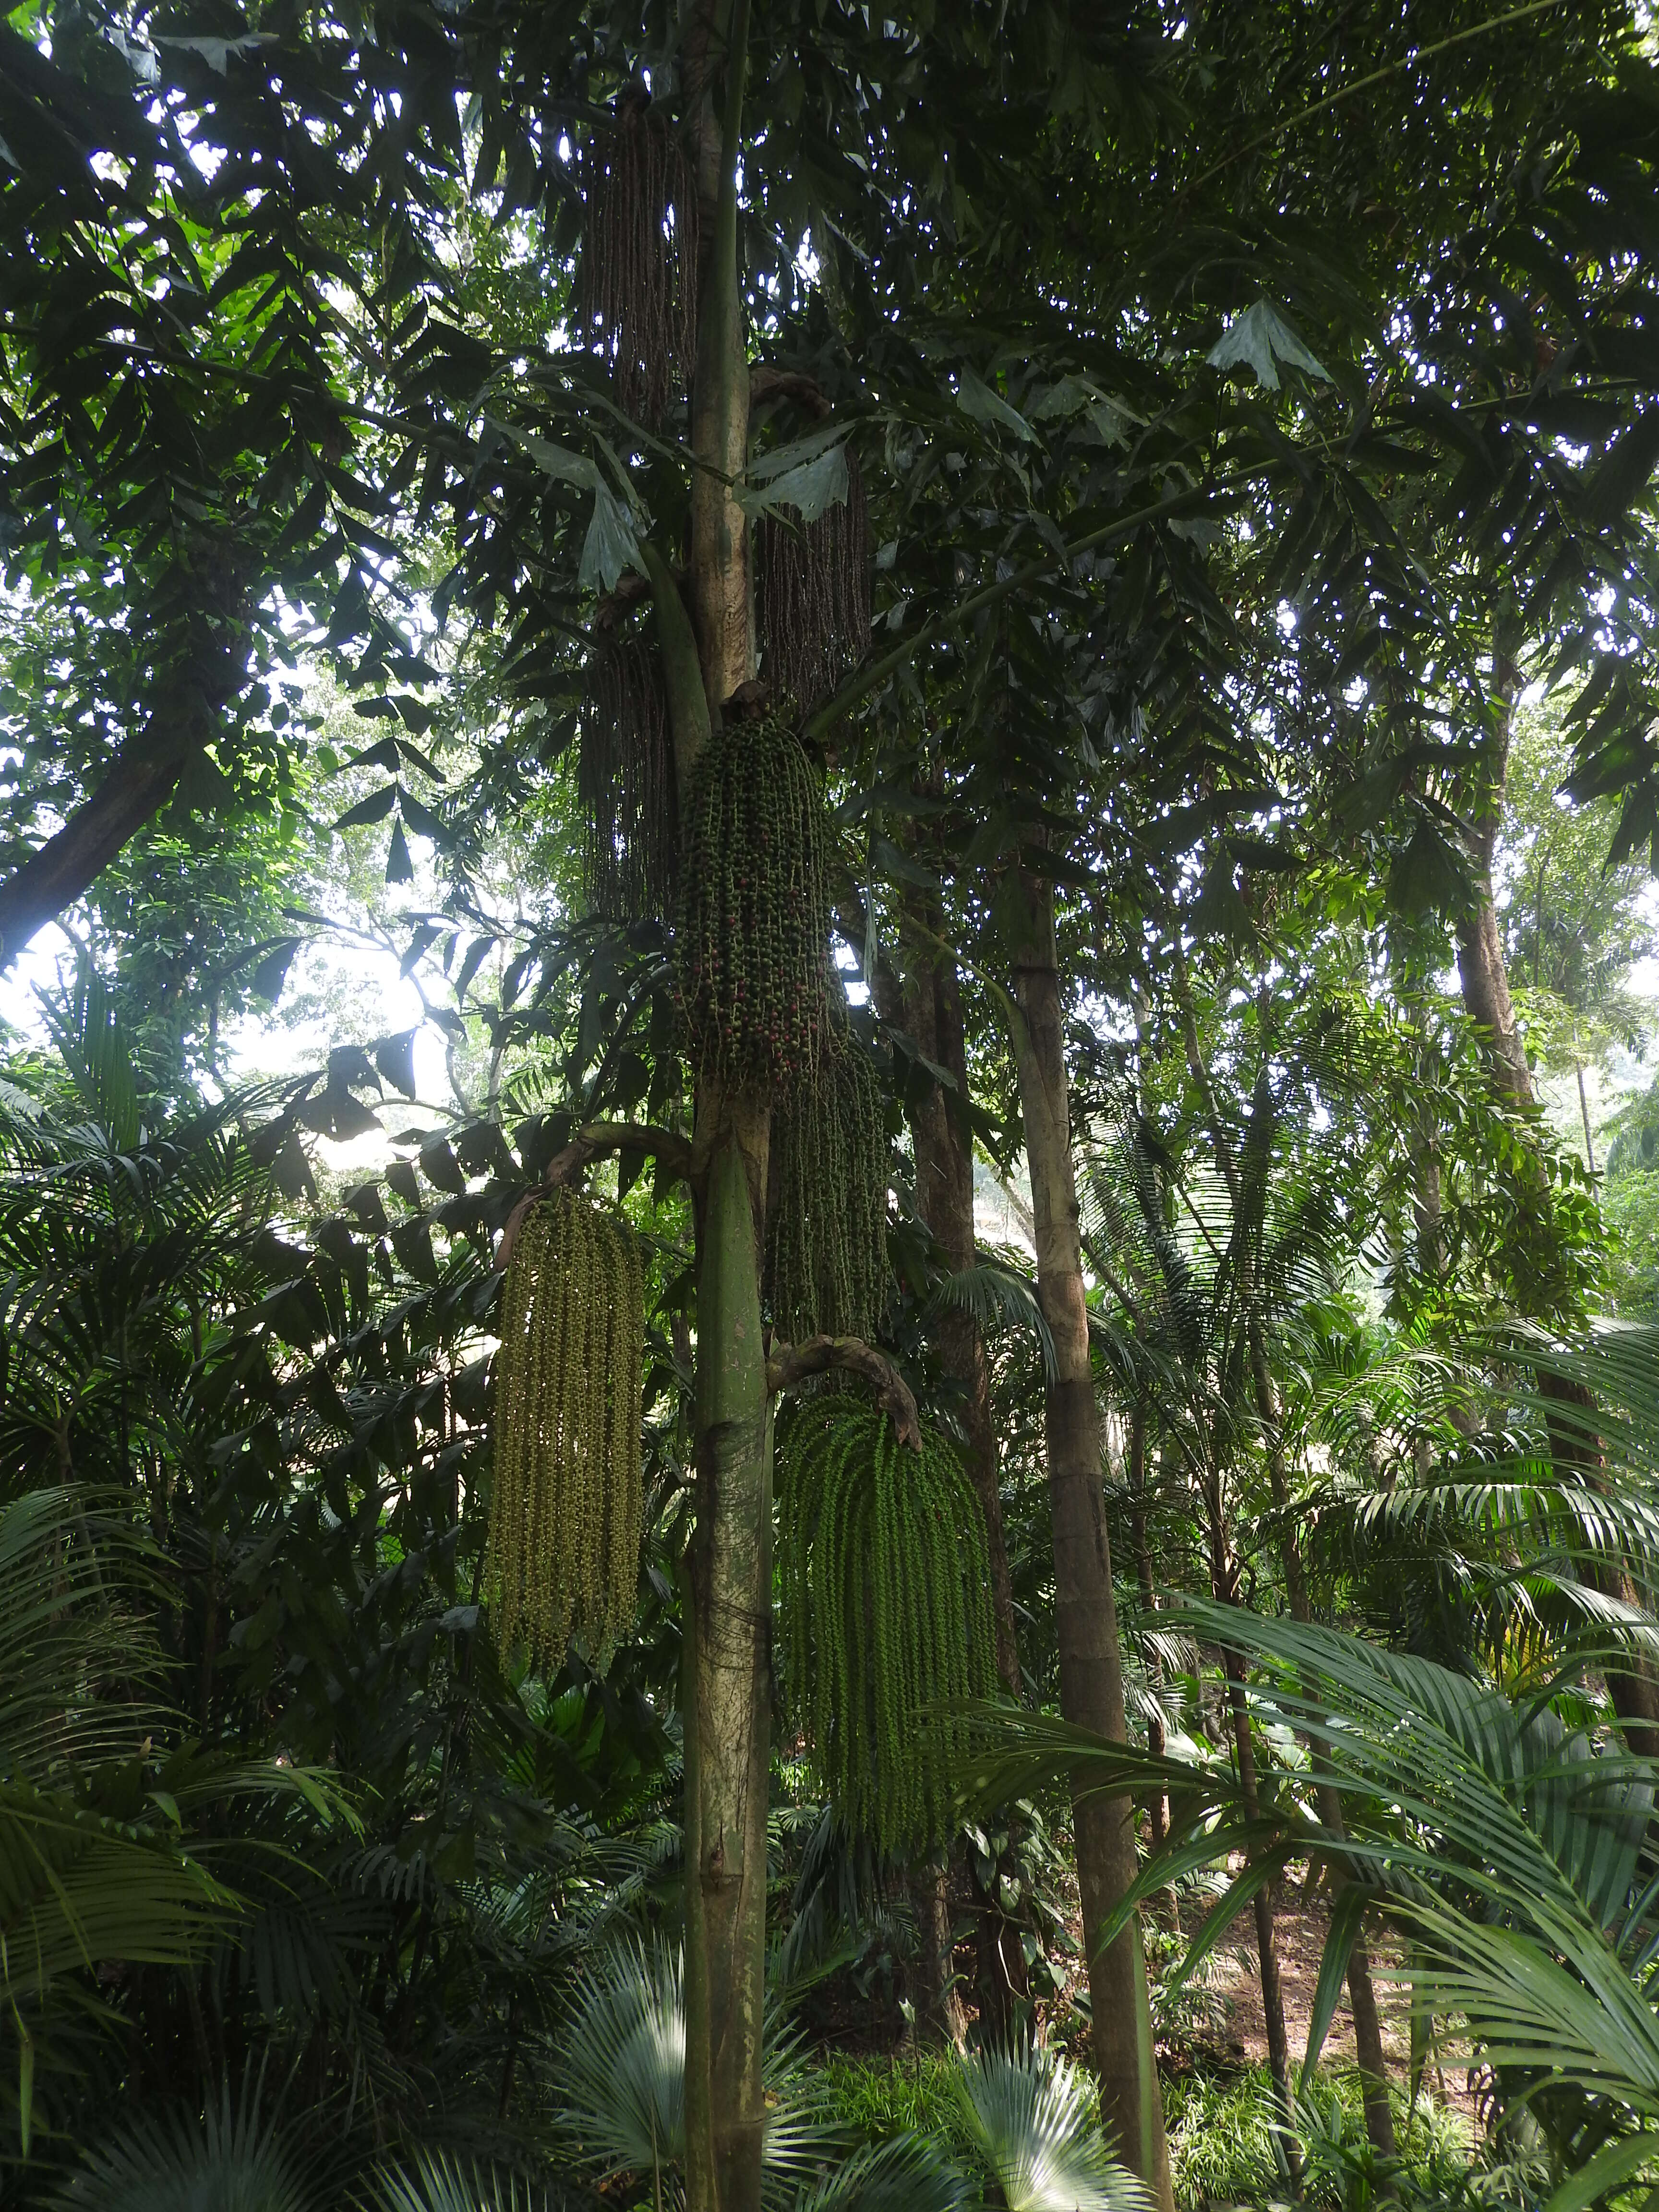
<point>1032,2124</point>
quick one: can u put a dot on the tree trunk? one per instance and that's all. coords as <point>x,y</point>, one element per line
<point>1085,1613</point>
<point>1273,1994</point>
<point>138,783</point>
<point>941,2013</point>
<point>931,1010</point>
<point>1362,1995</point>
<point>729,1599</point>
<point>944,1195</point>
<point>1481,970</point>
<point>1583,1110</point>
<point>1486,988</point>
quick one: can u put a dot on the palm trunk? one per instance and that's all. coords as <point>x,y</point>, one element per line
<point>1085,1613</point>
<point>1159,1809</point>
<point>940,2012</point>
<point>931,1010</point>
<point>1583,1110</point>
<point>1273,1993</point>
<point>729,1598</point>
<point>1362,1995</point>
<point>1485,989</point>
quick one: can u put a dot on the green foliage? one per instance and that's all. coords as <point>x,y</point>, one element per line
<point>566,1499</point>
<point>618,2102</point>
<point>886,1610</point>
<point>827,1272</point>
<point>1034,2128</point>
<point>233,2158</point>
<point>881,2098</point>
<point>299,1421</point>
<point>622,2070</point>
<point>1513,1857</point>
<point>437,2183</point>
<point>751,943</point>
<point>1630,1209</point>
<point>1222,2150</point>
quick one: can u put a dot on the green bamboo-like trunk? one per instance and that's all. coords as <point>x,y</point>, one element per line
<point>726,1684</point>
<point>1086,1612</point>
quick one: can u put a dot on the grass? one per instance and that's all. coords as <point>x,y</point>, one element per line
<point>879,2098</point>
<point>1221,2144</point>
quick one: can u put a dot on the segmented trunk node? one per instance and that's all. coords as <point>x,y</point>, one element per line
<point>813,596</point>
<point>639,265</point>
<point>751,943</point>
<point>827,1249</point>
<point>563,1552</point>
<point>886,1615</point>
<point>625,784</point>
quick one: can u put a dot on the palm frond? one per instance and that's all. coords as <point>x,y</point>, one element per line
<point>1032,2121</point>
<point>997,1296</point>
<point>438,2183</point>
<point>227,2158</point>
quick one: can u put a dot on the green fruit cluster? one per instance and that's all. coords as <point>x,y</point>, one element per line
<point>751,946</point>
<point>886,1615</point>
<point>563,1550</point>
<point>827,1248</point>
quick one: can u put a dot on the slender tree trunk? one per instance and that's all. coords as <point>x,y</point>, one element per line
<point>139,781</point>
<point>1485,979</point>
<point>730,1596</point>
<point>931,1010</point>
<point>1085,1613</point>
<point>1584,1109</point>
<point>729,1605</point>
<point>1362,1995</point>
<point>944,1195</point>
<point>1273,1993</point>
<point>1155,1742</point>
<point>941,2009</point>
<point>1482,972</point>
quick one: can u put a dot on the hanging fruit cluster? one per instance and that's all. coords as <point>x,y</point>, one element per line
<point>813,596</point>
<point>639,259</point>
<point>827,1247</point>
<point>751,946</point>
<point>886,1615</point>
<point>563,1551</point>
<point>625,785</point>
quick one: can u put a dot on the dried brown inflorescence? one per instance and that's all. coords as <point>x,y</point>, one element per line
<point>639,265</point>
<point>813,596</point>
<point>625,784</point>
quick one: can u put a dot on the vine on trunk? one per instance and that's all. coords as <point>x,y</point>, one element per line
<point>563,1550</point>
<point>813,596</point>
<point>826,1251</point>
<point>625,784</point>
<point>640,256</point>
<point>751,947</point>
<point>886,1611</point>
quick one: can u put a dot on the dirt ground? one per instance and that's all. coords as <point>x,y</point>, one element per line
<point>1300,1926</point>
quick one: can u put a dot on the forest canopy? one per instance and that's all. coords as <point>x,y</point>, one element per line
<point>829,1124</point>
